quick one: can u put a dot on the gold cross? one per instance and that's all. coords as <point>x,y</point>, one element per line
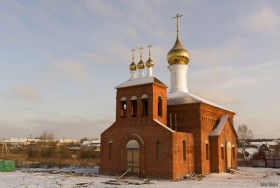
<point>132,52</point>
<point>141,48</point>
<point>149,50</point>
<point>177,18</point>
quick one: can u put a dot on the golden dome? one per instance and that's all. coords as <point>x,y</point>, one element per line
<point>178,54</point>
<point>141,65</point>
<point>150,63</point>
<point>132,66</point>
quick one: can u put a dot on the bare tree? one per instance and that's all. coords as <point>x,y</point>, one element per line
<point>245,135</point>
<point>45,136</point>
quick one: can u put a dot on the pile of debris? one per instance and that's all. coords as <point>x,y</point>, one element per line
<point>128,182</point>
<point>193,177</point>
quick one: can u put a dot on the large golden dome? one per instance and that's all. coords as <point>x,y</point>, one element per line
<point>141,65</point>
<point>178,54</point>
<point>132,66</point>
<point>150,63</point>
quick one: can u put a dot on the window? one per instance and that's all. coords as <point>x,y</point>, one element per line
<point>123,107</point>
<point>207,151</point>
<point>145,105</point>
<point>110,149</point>
<point>233,152</point>
<point>159,106</point>
<point>184,150</point>
<point>222,152</point>
<point>134,106</point>
<point>158,150</point>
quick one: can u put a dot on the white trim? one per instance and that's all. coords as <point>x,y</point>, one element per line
<point>123,99</point>
<point>133,98</point>
<point>165,126</point>
<point>144,96</point>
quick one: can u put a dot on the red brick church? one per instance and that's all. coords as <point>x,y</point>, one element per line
<point>166,135</point>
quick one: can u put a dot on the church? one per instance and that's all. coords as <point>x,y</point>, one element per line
<point>166,134</point>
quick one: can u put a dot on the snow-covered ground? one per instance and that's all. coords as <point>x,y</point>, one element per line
<point>89,177</point>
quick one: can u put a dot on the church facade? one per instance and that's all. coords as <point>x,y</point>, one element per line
<point>166,135</point>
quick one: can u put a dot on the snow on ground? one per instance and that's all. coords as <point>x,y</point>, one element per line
<point>89,177</point>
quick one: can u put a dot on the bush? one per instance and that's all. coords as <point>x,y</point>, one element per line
<point>87,153</point>
<point>31,151</point>
<point>64,153</point>
<point>47,152</point>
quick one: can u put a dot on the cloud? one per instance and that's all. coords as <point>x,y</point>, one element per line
<point>27,92</point>
<point>232,77</point>
<point>102,8</point>
<point>231,50</point>
<point>216,96</point>
<point>71,69</point>
<point>63,70</point>
<point>72,125</point>
<point>264,21</point>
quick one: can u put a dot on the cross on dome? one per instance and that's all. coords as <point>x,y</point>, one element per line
<point>132,66</point>
<point>141,64</point>
<point>149,50</point>
<point>177,20</point>
<point>132,53</point>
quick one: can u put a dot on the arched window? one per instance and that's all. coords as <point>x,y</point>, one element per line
<point>132,144</point>
<point>134,106</point>
<point>132,156</point>
<point>145,104</point>
<point>123,107</point>
<point>159,106</point>
<point>158,150</point>
<point>184,150</point>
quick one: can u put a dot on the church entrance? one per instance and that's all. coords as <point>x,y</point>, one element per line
<point>132,156</point>
<point>229,166</point>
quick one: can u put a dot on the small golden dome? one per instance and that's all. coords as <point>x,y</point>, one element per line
<point>150,63</point>
<point>178,54</point>
<point>141,65</point>
<point>132,66</point>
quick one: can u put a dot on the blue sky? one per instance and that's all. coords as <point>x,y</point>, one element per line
<point>60,60</point>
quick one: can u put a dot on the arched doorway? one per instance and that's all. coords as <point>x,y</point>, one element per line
<point>132,156</point>
<point>229,166</point>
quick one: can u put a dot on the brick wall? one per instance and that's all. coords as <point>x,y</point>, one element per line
<point>199,119</point>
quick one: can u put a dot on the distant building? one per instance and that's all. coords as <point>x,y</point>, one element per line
<point>92,143</point>
<point>167,135</point>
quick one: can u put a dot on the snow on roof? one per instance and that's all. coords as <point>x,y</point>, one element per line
<point>93,142</point>
<point>182,97</point>
<point>140,81</point>
<point>252,150</point>
<point>218,129</point>
<point>164,125</point>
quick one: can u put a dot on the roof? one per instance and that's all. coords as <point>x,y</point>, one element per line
<point>140,81</point>
<point>218,129</point>
<point>182,97</point>
<point>164,126</point>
